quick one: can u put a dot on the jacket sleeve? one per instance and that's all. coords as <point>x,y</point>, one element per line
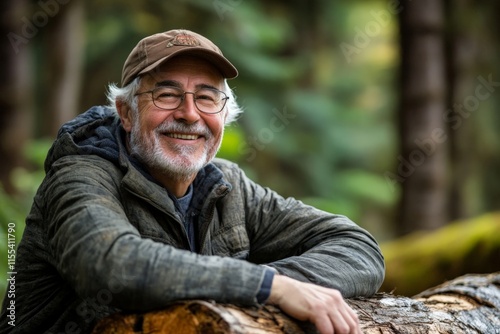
<point>95,248</point>
<point>311,245</point>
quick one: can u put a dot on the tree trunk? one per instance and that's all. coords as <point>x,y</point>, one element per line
<point>465,152</point>
<point>198,316</point>
<point>423,161</point>
<point>468,304</point>
<point>15,89</point>
<point>491,164</point>
<point>64,52</point>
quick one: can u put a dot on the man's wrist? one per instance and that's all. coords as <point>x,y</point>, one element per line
<point>265,287</point>
<point>279,283</point>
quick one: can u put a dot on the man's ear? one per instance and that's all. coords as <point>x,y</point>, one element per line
<point>224,113</point>
<point>125,114</point>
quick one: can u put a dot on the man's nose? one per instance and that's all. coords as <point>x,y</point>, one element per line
<point>187,110</point>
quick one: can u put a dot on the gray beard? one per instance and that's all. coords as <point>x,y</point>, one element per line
<point>181,167</point>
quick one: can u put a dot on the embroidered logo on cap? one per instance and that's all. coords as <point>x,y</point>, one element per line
<point>183,39</point>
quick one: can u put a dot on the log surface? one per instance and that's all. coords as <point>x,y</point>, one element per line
<point>468,304</point>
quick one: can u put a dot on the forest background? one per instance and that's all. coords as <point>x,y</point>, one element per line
<point>384,111</point>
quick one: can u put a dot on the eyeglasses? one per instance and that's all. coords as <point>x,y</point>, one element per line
<point>207,100</point>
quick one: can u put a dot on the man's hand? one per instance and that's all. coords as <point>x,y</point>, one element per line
<point>324,307</point>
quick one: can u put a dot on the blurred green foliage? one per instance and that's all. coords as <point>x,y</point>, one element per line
<point>334,151</point>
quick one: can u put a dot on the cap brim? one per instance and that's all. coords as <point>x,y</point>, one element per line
<point>227,69</point>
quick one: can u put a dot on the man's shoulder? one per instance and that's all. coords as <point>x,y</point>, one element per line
<point>85,167</point>
<point>225,164</point>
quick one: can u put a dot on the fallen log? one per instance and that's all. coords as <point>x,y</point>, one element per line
<point>468,304</point>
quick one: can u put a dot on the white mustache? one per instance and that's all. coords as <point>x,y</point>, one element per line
<point>179,127</point>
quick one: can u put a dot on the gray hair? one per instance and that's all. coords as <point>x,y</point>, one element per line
<point>127,95</point>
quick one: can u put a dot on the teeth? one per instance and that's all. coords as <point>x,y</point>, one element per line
<point>182,136</point>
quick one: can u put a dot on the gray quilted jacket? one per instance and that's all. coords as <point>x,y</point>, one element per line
<point>102,236</point>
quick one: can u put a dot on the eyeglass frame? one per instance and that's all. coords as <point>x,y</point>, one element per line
<point>183,97</point>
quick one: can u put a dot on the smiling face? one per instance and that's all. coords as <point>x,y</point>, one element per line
<point>175,144</point>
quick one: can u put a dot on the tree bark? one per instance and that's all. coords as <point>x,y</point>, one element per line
<point>468,304</point>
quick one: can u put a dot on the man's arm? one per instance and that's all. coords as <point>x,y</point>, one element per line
<point>311,245</point>
<point>320,258</point>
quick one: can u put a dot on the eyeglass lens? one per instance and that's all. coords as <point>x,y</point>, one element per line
<point>207,100</point>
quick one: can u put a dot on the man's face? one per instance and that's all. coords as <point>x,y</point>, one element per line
<point>177,142</point>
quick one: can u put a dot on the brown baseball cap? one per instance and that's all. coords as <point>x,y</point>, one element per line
<point>155,49</point>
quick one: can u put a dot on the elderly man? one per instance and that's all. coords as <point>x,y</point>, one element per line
<point>135,212</point>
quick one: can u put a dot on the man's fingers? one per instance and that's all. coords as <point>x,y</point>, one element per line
<point>342,321</point>
<point>350,319</point>
<point>336,321</point>
<point>333,315</point>
<point>324,307</point>
<point>323,323</point>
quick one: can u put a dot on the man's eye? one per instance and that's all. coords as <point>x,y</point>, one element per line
<point>205,97</point>
<point>168,95</point>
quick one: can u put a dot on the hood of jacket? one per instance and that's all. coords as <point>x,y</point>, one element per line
<point>93,132</point>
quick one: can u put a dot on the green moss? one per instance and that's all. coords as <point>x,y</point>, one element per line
<point>425,259</point>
